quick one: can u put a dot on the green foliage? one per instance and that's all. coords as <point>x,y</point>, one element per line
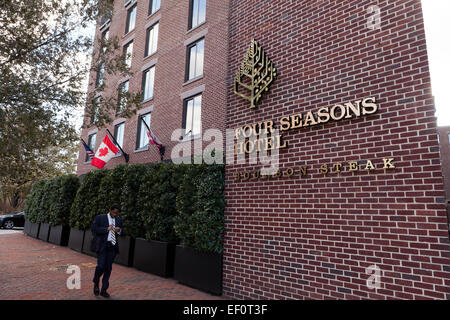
<point>186,203</point>
<point>201,204</point>
<point>32,205</point>
<point>45,58</point>
<point>85,206</point>
<point>158,198</point>
<point>132,179</point>
<point>47,197</point>
<point>110,189</point>
<point>146,198</point>
<point>117,186</point>
<point>50,200</point>
<point>66,188</point>
<point>160,201</point>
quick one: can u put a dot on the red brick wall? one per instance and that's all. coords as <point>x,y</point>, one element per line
<point>169,74</point>
<point>445,157</point>
<point>314,237</point>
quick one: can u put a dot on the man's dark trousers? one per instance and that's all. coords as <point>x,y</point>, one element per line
<point>105,260</point>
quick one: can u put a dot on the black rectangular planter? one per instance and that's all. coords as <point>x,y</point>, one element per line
<point>59,235</point>
<point>87,244</point>
<point>126,251</point>
<point>27,227</point>
<point>156,257</point>
<point>44,231</point>
<point>34,229</point>
<point>200,270</point>
<point>76,239</point>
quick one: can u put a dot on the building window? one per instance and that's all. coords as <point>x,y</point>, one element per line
<point>123,89</point>
<point>195,60</point>
<point>448,137</point>
<point>142,138</point>
<point>197,14</point>
<point>151,44</point>
<point>100,75</point>
<point>95,109</point>
<point>192,119</point>
<point>101,71</point>
<point>128,54</point>
<point>154,6</point>
<point>105,35</point>
<point>131,19</point>
<point>148,81</point>
<point>106,17</point>
<point>118,135</point>
<point>105,38</point>
<point>91,144</point>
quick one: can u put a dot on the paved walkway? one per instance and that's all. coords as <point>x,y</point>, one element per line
<point>33,269</point>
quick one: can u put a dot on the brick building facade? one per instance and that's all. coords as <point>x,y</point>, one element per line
<point>314,236</point>
<point>310,236</point>
<point>172,88</point>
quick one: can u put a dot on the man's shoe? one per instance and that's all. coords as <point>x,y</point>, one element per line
<point>105,294</point>
<point>96,290</point>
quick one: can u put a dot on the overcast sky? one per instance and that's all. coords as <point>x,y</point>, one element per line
<point>437,28</point>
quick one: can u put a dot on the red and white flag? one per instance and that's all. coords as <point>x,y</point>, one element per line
<point>104,153</point>
<point>153,139</point>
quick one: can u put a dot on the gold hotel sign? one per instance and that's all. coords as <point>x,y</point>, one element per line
<point>255,75</point>
<point>349,110</point>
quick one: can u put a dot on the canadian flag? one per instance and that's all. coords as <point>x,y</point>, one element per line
<point>153,139</point>
<point>104,153</point>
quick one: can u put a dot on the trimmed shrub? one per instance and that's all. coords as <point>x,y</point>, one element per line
<point>47,198</point>
<point>110,190</point>
<point>33,202</point>
<point>50,200</point>
<point>158,195</point>
<point>201,205</point>
<point>132,179</point>
<point>186,203</point>
<point>66,188</point>
<point>85,205</point>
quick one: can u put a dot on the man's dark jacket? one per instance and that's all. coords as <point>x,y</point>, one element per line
<point>100,230</point>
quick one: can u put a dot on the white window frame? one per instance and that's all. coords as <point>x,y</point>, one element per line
<point>195,65</point>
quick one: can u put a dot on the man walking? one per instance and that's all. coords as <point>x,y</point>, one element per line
<point>106,227</point>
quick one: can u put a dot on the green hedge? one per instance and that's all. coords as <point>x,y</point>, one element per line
<point>159,201</point>
<point>66,188</point>
<point>50,200</point>
<point>110,190</point>
<point>85,206</point>
<point>132,179</point>
<point>157,196</point>
<point>33,202</point>
<point>102,188</point>
<point>200,204</point>
<point>48,195</point>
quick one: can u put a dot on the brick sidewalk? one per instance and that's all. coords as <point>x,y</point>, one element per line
<point>33,269</point>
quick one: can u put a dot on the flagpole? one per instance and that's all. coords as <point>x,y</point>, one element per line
<point>126,155</point>
<point>162,150</point>
<point>85,142</point>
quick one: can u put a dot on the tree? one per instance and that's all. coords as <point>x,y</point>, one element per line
<point>44,61</point>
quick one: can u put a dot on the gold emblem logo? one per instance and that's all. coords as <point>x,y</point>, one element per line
<point>255,75</point>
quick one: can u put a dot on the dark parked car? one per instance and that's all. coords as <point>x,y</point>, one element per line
<point>12,220</point>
